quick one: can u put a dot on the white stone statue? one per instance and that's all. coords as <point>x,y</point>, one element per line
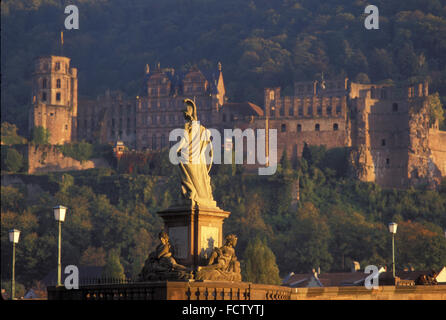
<point>194,169</point>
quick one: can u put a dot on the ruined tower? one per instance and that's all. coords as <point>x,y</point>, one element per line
<point>54,98</point>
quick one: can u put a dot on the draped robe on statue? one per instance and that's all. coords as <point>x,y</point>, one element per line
<point>194,171</point>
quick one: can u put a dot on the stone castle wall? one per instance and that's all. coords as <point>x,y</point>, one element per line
<point>50,159</point>
<point>437,146</point>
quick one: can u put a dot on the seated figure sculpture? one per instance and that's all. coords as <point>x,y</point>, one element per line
<point>161,265</point>
<point>222,264</point>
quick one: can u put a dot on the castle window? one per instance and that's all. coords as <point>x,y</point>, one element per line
<point>335,127</point>
<point>395,107</point>
<point>317,127</point>
<point>271,95</point>
<point>44,83</point>
<point>43,96</point>
<point>301,111</point>
<point>319,110</point>
<point>338,110</point>
<point>310,110</point>
<point>291,111</point>
<point>282,111</point>
<point>154,142</point>
<point>329,110</point>
<point>58,83</point>
<point>57,67</point>
<point>57,96</point>
<point>299,128</point>
<point>383,142</point>
<point>283,128</point>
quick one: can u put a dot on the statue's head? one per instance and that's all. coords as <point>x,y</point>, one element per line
<point>190,110</point>
<point>231,239</point>
<point>163,236</point>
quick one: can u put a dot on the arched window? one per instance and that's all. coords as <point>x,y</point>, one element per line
<point>283,128</point>
<point>317,127</point>
<point>299,128</point>
<point>335,127</point>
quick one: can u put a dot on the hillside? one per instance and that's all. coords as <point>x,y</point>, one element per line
<point>259,43</point>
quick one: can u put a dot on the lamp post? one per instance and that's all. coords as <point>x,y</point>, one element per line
<point>14,235</point>
<point>59,215</point>
<point>392,228</point>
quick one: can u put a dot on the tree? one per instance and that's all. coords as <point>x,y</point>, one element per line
<point>113,267</point>
<point>93,257</point>
<point>9,134</point>
<point>41,136</point>
<point>259,264</point>
<point>13,161</point>
<point>436,110</point>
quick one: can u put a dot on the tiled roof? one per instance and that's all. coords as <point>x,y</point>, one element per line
<point>243,108</point>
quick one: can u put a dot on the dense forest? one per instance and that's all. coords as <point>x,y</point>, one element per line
<point>259,42</point>
<point>112,218</point>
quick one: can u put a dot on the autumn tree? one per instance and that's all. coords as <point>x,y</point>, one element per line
<point>259,264</point>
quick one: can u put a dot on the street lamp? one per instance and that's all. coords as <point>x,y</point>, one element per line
<point>59,215</point>
<point>392,228</point>
<point>14,235</point>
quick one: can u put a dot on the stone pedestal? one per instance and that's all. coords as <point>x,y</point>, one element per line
<point>194,232</point>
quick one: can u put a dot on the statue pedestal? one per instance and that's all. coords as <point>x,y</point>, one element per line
<point>194,232</point>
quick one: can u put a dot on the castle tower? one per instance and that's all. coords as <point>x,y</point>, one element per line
<point>54,98</point>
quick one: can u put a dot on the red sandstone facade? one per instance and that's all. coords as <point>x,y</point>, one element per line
<point>387,127</point>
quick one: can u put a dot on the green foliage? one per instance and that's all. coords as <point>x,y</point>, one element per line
<point>113,268</point>
<point>81,151</point>
<point>436,109</point>
<point>13,160</point>
<point>9,134</point>
<point>40,136</point>
<point>259,264</point>
<point>19,289</point>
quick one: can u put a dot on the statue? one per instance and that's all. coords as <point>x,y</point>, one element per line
<point>161,265</point>
<point>194,171</point>
<point>222,264</point>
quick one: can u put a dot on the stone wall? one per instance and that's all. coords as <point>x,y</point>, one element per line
<point>50,159</point>
<point>437,145</point>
